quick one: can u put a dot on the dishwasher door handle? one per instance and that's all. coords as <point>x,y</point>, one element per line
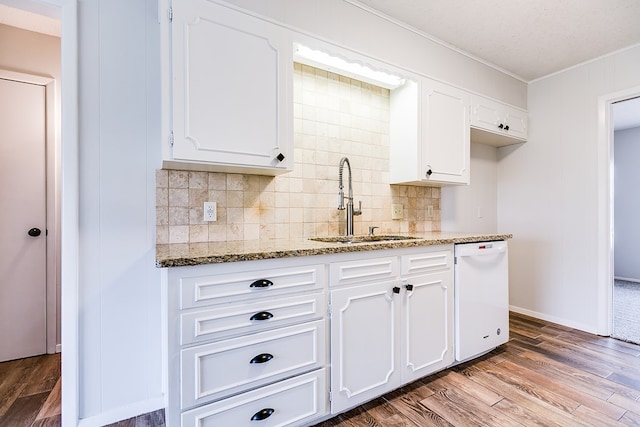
<point>467,252</point>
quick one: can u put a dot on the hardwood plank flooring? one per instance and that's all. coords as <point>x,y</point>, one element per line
<point>547,375</point>
<point>30,392</point>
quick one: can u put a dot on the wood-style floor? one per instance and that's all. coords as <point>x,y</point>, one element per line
<point>545,375</point>
<point>30,392</point>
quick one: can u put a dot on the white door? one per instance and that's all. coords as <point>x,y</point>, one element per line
<point>22,197</point>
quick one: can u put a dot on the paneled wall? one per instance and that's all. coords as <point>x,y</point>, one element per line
<point>552,194</point>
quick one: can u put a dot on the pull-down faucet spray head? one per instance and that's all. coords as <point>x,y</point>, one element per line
<point>341,186</point>
<point>350,210</point>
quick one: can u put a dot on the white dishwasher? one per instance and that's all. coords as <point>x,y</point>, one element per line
<point>481,298</point>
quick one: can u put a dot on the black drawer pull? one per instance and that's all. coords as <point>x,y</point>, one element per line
<point>409,287</point>
<point>263,414</point>
<point>262,283</point>
<point>262,358</point>
<point>263,315</point>
<point>396,290</point>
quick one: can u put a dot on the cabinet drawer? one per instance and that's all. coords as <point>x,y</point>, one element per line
<point>293,402</point>
<point>218,369</point>
<point>427,262</point>
<point>220,288</point>
<point>249,317</point>
<point>365,270</point>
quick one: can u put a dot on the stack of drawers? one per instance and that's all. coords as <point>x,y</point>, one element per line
<point>247,343</point>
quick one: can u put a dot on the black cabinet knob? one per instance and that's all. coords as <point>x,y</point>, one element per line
<point>396,289</point>
<point>409,287</point>
<point>429,172</point>
<point>263,315</point>
<point>262,414</point>
<point>506,127</point>
<point>280,157</point>
<point>500,126</point>
<point>34,232</point>
<point>261,358</point>
<point>262,283</point>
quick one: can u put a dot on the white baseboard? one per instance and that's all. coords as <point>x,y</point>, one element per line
<point>553,319</point>
<point>626,279</point>
<point>123,413</point>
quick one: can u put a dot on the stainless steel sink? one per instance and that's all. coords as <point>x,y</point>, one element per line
<point>361,239</point>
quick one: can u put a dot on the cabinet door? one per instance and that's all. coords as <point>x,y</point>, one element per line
<point>517,122</point>
<point>365,336</point>
<point>507,124</point>
<point>427,323</point>
<point>445,133</point>
<point>232,80</point>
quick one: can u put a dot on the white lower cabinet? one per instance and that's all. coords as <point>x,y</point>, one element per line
<point>388,332</point>
<point>365,339</point>
<point>427,320</point>
<point>250,342</point>
<point>247,343</point>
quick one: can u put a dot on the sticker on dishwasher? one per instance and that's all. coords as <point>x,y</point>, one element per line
<point>486,246</point>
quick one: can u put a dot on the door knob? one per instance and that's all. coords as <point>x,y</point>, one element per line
<point>34,232</point>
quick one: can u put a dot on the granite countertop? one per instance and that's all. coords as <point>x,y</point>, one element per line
<point>184,254</point>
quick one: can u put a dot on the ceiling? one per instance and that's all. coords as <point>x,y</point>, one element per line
<point>527,38</point>
<point>29,20</point>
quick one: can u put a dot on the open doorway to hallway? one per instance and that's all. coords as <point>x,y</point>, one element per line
<point>626,205</point>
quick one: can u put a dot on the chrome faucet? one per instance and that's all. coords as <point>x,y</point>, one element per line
<point>351,212</point>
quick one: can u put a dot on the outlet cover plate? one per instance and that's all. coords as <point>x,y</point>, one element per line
<point>397,211</point>
<point>210,211</point>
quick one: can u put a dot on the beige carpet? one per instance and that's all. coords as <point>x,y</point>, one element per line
<point>626,311</point>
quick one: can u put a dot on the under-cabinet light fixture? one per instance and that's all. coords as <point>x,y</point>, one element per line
<point>335,64</point>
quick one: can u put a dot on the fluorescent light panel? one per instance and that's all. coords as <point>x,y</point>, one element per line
<point>338,65</point>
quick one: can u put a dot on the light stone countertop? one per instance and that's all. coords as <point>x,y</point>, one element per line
<point>184,254</point>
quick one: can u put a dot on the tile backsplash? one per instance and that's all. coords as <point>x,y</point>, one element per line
<point>334,116</point>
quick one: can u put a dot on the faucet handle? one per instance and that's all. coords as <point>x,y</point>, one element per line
<point>359,210</point>
<point>371,230</point>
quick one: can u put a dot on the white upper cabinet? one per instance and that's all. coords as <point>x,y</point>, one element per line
<point>232,77</point>
<point>494,123</point>
<point>429,134</point>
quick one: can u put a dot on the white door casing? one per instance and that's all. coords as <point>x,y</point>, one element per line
<point>23,194</point>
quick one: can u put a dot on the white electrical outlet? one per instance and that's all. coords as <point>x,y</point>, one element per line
<point>397,211</point>
<point>210,211</point>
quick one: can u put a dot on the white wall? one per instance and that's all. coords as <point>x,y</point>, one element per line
<point>343,23</point>
<point>473,208</point>
<point>119,312</point>
<point>626,157</point>
<point>548,193</point>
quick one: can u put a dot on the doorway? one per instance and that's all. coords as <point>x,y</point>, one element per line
<point>605,208</point>
<point>626,203</point>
